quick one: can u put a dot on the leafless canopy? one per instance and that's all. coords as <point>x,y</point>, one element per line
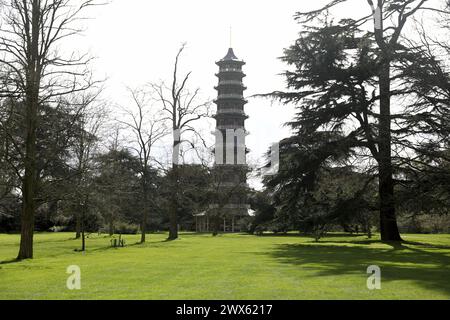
<point>181,106</point>
<point>57,72</point>
<point>146,125</point>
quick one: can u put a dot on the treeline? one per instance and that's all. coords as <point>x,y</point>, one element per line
<point>71,160</point>
<point>369,149</point>
<point>111,197</point>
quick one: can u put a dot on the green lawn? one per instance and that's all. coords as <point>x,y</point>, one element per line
<point>228,267</point>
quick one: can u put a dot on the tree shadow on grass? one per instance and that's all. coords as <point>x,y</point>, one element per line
<point>146,245</point>
<point>397,245</point>
<point>194,234</point>
<point>10,261</point>
<point>302,235</point>
<point>112,248</point>
<point>428,268</point>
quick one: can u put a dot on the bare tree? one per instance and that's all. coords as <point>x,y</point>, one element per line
<point>148,128</point>
<point>34,72</point>
<point>111,205</point>
<point>85,149</point>
<point>182,110</point>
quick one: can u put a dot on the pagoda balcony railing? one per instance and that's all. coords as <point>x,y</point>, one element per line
<point>230,126</point>
<point>231,111</point>
<point>242,74</point>
<point>213,150</point>
<point>231,82</point>
<point>231,96</point>
<point>229,69</point>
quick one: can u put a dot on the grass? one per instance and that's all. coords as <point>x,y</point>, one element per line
<point>228,267</point>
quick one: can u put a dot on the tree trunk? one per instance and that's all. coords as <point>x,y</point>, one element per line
<point>83,239</point>
<point>143,225</point>
<point>216,226</point>
<point>146,207</point>
<point>83,218</point>
<point>216,223</point>
<point>32,105</point>
<point>173,221</point>
<point>173,211</point>
<point>29,185</point>
<point>111,225</point>
<point>388,222</point>
<point>78,225</point>
<point>29,182</point>
<point>27,228</point>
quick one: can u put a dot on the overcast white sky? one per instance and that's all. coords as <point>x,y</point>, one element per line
<point>135,42</point>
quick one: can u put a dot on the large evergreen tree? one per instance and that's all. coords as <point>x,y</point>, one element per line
<point>343,81</point>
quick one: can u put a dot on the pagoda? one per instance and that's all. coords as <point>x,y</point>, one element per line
<point>230,167</point>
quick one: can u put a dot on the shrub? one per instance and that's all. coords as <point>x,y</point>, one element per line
<point>126,228</point>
